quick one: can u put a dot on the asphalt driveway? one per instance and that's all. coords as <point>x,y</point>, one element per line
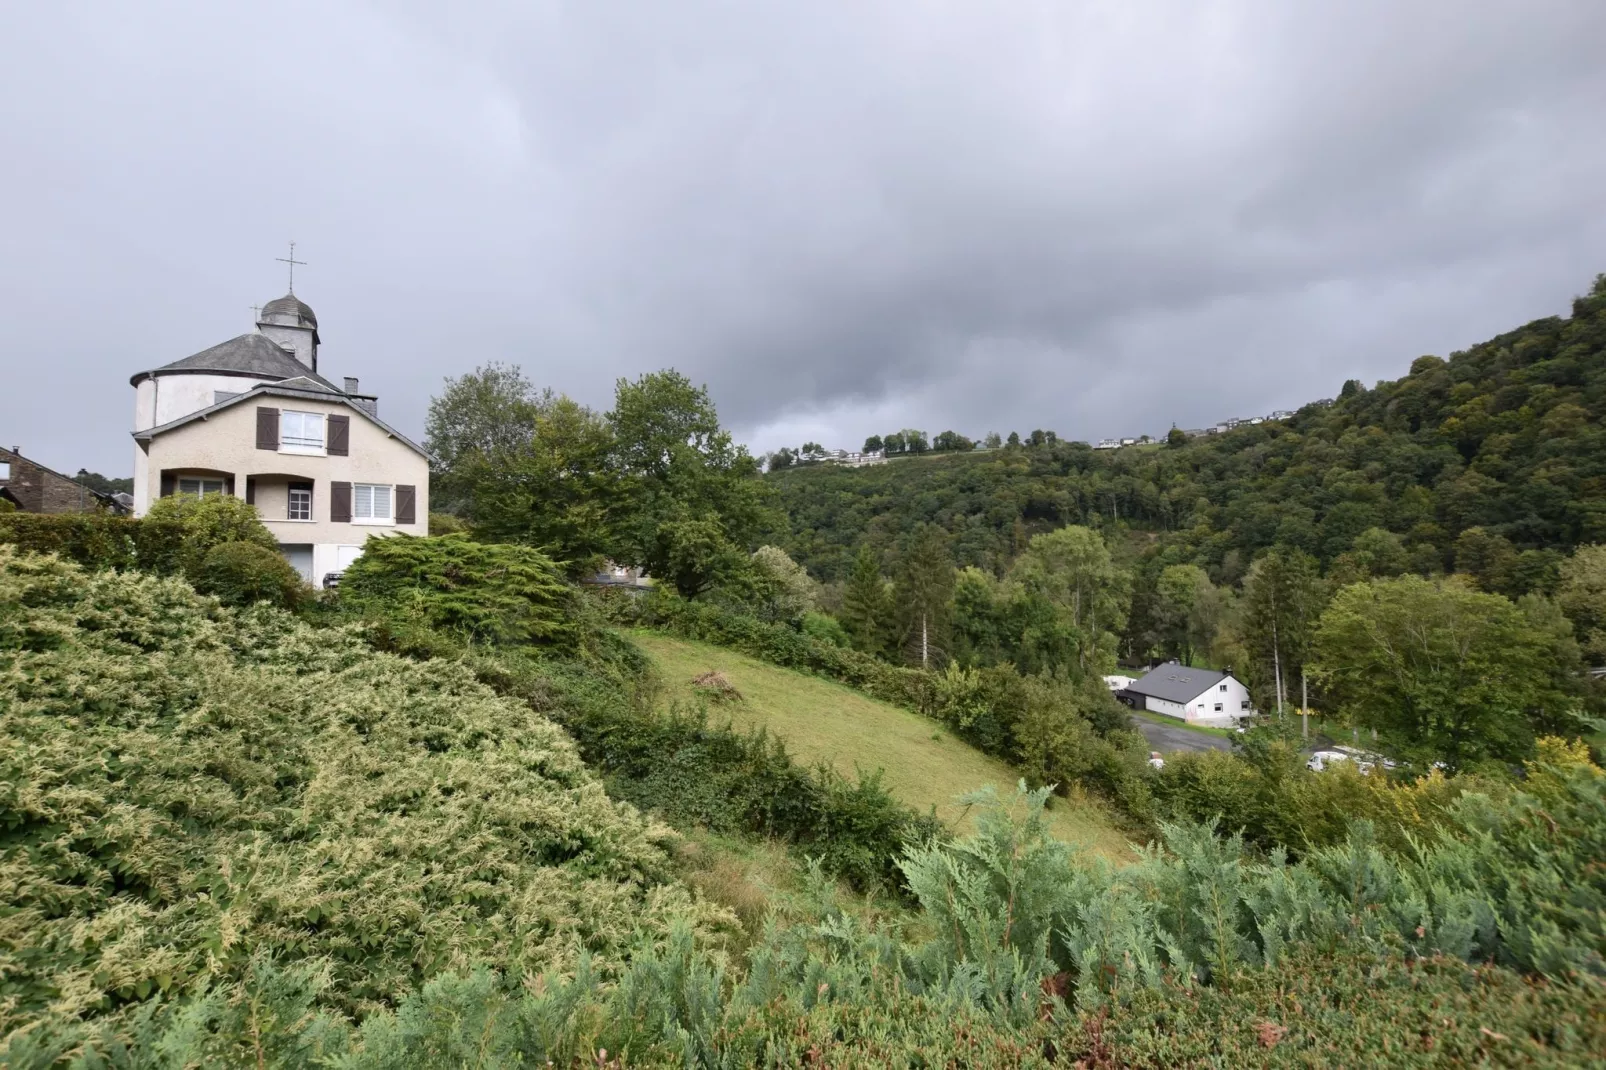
<point>1168,739</point>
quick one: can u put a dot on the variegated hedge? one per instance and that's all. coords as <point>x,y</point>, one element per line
<point>183,786</point>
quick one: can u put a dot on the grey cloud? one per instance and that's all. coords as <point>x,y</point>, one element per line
<point>1098,217</point>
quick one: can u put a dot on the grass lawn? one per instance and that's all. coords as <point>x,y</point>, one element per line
<point>820,720</point>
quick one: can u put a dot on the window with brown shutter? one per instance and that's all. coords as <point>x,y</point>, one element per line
<point>340,503</point>
<point>339,436</point>
<point>267,429</point>
<point>406,504</point>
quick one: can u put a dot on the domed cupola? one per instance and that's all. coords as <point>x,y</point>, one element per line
<point>291,323</point>
<point>299,313</point>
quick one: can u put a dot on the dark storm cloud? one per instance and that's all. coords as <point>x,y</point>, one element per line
<point>1096,217</point>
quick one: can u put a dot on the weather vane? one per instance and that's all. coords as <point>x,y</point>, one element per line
<point>292,261</point>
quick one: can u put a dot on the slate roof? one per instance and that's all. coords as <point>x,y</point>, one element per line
<point>309,386</point>
<point>249,354</point>
<point>291,305</point>
<point>1177,683</point>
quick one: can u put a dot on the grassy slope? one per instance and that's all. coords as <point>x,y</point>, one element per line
<point>820,720</point>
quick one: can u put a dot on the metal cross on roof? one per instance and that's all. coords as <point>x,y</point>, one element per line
<point>292,261</point>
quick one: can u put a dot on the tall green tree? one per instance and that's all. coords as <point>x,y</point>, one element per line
<point>1440,671</point>
<point>981,635</point>
<point>1186,610</point>
<point>866,606</point>
<point>695,506</point>
<point>1283,597</point>
<point>477,421</point>
<point>924,593</point>
<point>558,490</point>
<point>1071,569</point>
<point>1582,597</point>
<point>782,589</point>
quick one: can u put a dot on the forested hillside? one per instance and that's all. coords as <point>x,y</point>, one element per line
<point>1505,437</point>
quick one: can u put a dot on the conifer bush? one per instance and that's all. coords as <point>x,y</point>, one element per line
<point>495,593</point>
<point>1202,954</point>
<point>186,788</point>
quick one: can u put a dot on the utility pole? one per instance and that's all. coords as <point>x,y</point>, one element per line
<point>925,648</point>
<point>1304,705</point>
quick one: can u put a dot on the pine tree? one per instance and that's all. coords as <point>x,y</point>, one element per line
<point>865,611</point>
<point>924,593</point>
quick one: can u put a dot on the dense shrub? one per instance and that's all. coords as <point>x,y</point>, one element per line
<point>1347,1008</point>
<point>695,772</point>
<point>446,524</point>
<point>205,522</point>
<point>776,643</point>
<point>243,573</point>
<point>187,789</point>
<point>1265,793</point>
<point>1200,954</point>
<point>98,540</point>
<point>483,592</point>
<point>824,628</point>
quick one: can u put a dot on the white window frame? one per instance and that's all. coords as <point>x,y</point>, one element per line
<point>372,516</point>
<point>290,504</point>
<point>301,442</point>
<point>1218,707</point>
<point>5,469</point>
<point>202,486</point>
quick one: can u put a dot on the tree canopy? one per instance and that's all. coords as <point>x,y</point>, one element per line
<point>1508,437</point>
<point>1438,670</point>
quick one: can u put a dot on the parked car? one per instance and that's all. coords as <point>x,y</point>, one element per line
<point>1323,758</point>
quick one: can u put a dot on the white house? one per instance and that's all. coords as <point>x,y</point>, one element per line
<point>1197,696</point>
<point>252,417</point>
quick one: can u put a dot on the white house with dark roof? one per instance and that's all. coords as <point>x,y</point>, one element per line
<point>1197,696</point>
<point>253,417</point>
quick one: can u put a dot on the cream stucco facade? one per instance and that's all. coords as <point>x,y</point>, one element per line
<point>199,428</point>
<point>222,446</point>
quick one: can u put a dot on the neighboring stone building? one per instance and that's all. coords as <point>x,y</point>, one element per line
<point>33,488</point>
<point>252,417</point>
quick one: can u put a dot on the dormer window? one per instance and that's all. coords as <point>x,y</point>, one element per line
<point>301,430</point>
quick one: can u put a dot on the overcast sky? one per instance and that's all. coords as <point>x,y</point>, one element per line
<point>1095,216</point>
